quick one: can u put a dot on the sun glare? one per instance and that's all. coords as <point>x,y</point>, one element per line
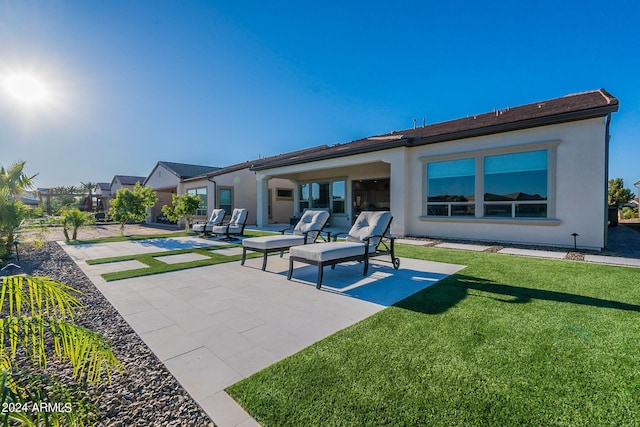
<point>27,90</point>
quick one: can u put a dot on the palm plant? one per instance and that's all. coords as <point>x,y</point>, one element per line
<point>38,318</point>
<point>14,180</point>
<point>11,215</point>
<point>72,220</point>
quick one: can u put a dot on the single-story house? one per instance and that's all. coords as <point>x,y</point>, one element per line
<point>514,175</point>
<point>102,192</point>
<point>124,181</point>
<point>225,188</point>
<point>168,178</point>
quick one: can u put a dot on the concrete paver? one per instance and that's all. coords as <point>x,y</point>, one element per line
<point>533,253</point>
<point>463,246</point>
<point>612,260</point>
<point>178,258</point>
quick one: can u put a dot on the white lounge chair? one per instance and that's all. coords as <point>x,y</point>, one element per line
<point>206,227</point>
<point>307,230</point>
<point>368,237</point>
<point>235,225</point>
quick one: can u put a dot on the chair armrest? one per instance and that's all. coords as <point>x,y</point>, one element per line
<point>381,236</point>
<point>319,231</point>
<point>343,233</point>
<point>285,229</point>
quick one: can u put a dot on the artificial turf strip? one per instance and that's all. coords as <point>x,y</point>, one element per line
<point>507,341</point>
<point>154,266</point>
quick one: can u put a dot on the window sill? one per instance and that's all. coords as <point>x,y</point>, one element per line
<point>546,222</point>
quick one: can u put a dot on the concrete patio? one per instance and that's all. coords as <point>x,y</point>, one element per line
<point>213,326</point>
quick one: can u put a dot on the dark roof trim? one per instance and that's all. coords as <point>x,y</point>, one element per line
<point>601,104</point>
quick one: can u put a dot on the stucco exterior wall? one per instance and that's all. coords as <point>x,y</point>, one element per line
<point>576,186</point>
<point>579,187</point>
<point>162,178</point>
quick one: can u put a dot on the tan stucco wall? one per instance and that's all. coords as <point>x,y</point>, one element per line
<point>579,188</point>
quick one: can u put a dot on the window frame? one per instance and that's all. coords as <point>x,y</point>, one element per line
<point>281,197</point>
<point>309,202</point>
<point>479,155</point>
<point>219,205</point>
<point>450,206</point>
<point>204,206</point>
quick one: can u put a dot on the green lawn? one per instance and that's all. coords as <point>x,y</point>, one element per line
<point>508,341</point>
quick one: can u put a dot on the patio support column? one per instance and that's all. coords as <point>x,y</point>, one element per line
<point>262,200</point>
<point>399,191</point>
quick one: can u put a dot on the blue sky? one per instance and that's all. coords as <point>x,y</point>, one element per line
<point>221,82</point>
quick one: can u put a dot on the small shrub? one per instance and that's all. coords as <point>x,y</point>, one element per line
<point>630,213</point>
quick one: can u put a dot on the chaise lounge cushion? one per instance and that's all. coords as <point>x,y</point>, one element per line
<point>236,223</point>
<point>217,216</point>
<point>369,224</point>
<point>273,242</point>
<point>311,220</point>
<point>322,252</point>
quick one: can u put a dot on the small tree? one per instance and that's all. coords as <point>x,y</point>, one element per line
<point>184,207</point>
<point>131,205</point>
<point>618,195</point>
<point>72,220</point>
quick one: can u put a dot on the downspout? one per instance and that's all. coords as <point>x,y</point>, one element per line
<point>215,192</point>
<point>607,138</point>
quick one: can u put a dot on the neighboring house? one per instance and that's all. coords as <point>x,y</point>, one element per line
<point>512,175</point>
<point>102,192</point>
<point>235,187</point>
<point>30,200</point>
<point>168,178</point>
<point>228,188</point>
<point>124,181</point>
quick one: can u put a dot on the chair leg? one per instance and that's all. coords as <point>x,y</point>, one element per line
<point>320,270</point>
<point>264,261</point>
<point>244,255</point>
<point>290,269</point>
<point>366,266</point>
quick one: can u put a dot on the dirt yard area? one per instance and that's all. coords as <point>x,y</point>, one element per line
<point>96,231</point>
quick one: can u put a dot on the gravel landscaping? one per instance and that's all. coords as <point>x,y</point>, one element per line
<point>146,394</point>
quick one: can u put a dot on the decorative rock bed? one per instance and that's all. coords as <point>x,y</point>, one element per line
<point>146,394</point>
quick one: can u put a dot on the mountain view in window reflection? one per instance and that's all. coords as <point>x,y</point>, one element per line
<point>516,177</point>
<point>451,181</point>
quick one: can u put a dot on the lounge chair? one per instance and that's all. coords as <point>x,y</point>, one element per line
<point>307,230</point>
<point>369,237</point>
<point>206,227</point>
<point>235,225</point>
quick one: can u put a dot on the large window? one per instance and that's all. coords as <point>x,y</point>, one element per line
<point>225,199</point>
<point>338,197</point>
<point>506,185</point>
<point>323,195</point>
<point>515,185</point>
<point>202,193</point>
<point>451,188</point>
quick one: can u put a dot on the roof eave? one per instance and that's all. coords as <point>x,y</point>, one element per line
<point>487,130</point>
<point>334,155</point>
<point>519,125</point>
